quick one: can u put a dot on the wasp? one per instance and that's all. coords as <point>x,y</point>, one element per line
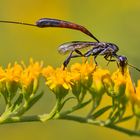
<point>108,50</point>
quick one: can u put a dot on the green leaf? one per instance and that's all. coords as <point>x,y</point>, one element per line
<point>65,102</point>
<point>33,100</point>
<point>17,103</point>
<point>12,88</point>
<point>81,105</point>
<point>125,119</point>
<point>100,112</point>
<point>76,89</point>
<point>137,123</point>
<point>28,91</point>
<point>115,117</point>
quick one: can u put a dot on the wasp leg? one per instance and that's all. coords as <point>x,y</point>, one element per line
<point>82,55</point>
<point>96,64</point>
<point>87,54</point>
<point>78,52</point>
<point>107,56</point>
<point>66,62</point>
<point>109,60</point>
<point>95,56</point>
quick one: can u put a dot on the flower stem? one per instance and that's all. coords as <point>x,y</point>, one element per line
<point>33,118</point>
<point>38,118</point>
<point>100,123</point>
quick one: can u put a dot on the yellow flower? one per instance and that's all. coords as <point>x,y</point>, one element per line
<point>135,94</point>
<point>2,74</point>
<point>13,73</point>
<point>57,77</point>
<point>47,71</point>
<point>82,71</point>
<point>135,100</point>
<point>31,73</point>
<point>119,80</point>
<point>138,91</point>
<point>98,77</point>
<point>123,83</point>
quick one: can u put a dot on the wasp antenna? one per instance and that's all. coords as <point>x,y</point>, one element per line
<point>134,67</point>
<point>16,22</point>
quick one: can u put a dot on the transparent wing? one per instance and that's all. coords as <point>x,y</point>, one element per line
<point>75,45</point>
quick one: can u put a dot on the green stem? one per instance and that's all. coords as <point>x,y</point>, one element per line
<point>34,118</point>
<point>41,118</point>
<point>54,110</point>
<point>38,118</point>
<point>100,123</point>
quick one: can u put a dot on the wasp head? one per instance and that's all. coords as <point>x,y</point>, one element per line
<point>122,62</point>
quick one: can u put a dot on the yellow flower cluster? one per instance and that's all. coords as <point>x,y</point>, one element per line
<point>21,74</point>
<point>57,77</point>
<point>85,75</point>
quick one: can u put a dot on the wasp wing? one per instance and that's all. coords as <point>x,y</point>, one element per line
<point>75,45</point>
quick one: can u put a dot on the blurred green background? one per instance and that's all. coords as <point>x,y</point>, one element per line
<point>110,21</point>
